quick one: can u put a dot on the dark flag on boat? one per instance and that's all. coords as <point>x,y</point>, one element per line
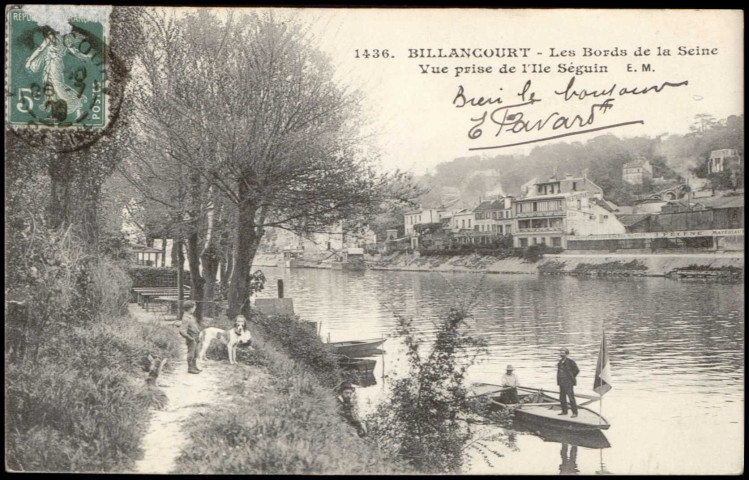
<point>602,383</point>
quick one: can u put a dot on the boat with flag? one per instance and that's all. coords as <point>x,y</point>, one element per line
<point>541,407</point>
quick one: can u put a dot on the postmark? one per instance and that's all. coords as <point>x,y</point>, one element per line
<point>56,78</point>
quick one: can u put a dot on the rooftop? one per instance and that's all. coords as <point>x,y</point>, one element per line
<point>488,205</point>
<point>726,201</point>
<point>631,219</point>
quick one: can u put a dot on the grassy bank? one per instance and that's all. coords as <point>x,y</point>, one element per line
<point>280,415</point>
<point>82,405</point>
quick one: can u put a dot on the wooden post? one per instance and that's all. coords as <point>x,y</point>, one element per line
<point>280,288</point>
<point>180,286</point>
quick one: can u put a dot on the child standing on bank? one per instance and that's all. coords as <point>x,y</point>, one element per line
<point>190,330</point>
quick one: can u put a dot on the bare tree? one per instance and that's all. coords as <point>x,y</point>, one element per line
<point>251,111</point>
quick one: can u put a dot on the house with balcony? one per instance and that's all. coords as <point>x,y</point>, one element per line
<point>559,207</point>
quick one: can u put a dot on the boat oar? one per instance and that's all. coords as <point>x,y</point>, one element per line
<point>489,393</point>
<point>588,397</point>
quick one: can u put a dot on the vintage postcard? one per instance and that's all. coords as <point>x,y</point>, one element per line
<point>374,241</point>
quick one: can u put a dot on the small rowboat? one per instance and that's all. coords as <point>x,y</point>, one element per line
<point>357,348</point>
<point>538,407</point>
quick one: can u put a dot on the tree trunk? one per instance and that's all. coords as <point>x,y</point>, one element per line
<point>245,246</point>
<point>196,280</point>
<point>210,269</point>
<point>174,254</point>
<point>227,268</point>
<point>180,268</point>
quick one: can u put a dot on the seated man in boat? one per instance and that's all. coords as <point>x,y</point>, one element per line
<point>510,382</point>
<point>346,408</point>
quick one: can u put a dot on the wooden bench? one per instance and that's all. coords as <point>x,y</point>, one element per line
<point>140,292</point>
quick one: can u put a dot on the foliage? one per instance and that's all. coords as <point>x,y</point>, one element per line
<point>616,267</point>
<point>77,408</point>
<point>422,421</point>
<point>114,245</point>
<point>155,276</point>
<point>300,343</point>
<point>601,157</point>
<point>535,253</point>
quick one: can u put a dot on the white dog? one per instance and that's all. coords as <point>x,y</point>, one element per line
<point>230,338</point>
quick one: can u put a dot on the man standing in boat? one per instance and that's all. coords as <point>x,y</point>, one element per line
<point>566,372</point>
<point>510,382</point>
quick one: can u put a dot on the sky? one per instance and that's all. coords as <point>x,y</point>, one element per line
<point>416,124</point>
<point>416,120</point>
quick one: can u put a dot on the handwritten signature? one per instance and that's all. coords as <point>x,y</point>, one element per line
<point>511,119</point>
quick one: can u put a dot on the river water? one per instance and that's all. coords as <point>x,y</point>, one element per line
<point>676,352</point>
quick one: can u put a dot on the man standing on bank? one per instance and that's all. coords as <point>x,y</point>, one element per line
<point>566,372</point>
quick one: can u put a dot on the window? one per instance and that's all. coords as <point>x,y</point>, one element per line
<point>535,206</point>
<point>574,186</point>
<point>579,205</point>
<point>523,242</point>
<point>469,223</point>
<point>535,240</point>
<point>463,223</point>
<point>556,241</point>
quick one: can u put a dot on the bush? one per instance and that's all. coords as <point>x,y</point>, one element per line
<point>535,253</point>
<point>300,343</point>
<point>76,408</point>
<point>421,419</point>
<point>156,276</point>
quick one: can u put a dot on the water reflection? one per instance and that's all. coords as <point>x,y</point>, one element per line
<point>569,462</point>
<point>593,439</point>
<point>676,352</point>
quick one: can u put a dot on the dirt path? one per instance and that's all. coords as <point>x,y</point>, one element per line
<point>188,394</point>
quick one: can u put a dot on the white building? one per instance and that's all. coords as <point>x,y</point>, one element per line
<point>724,160</point>
<point>556,208</point>
<point>464,219</point>
<point>416,217</point>
<point>637,172</point>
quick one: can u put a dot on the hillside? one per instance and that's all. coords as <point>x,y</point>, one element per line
<point>601,158</point>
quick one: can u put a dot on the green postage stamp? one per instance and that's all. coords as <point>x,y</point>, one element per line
<point>56,74</point>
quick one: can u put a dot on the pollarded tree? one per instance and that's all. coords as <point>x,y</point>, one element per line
<point>255,117</point>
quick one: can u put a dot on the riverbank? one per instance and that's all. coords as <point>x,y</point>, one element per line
<point>710,264</point>
<point>267,414</point>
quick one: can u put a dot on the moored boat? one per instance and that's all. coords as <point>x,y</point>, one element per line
<point>357,348</point>
<point>539,407</point>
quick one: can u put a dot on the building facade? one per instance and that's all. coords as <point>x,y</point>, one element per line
<point>725,160</point>
<point>637,172</point>
<point>421,216</point>
<point>494,217</point>
<point>557,208</point>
